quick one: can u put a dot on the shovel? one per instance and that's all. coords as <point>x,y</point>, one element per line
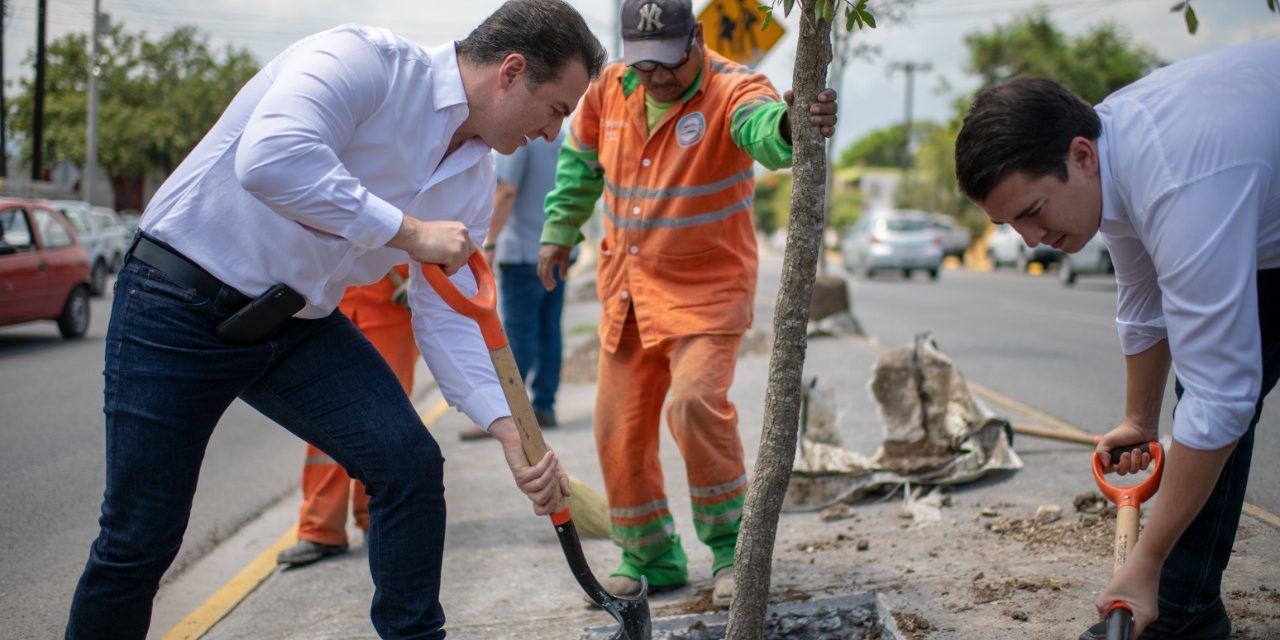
<point>1128,501</point>
<point>631,614</point>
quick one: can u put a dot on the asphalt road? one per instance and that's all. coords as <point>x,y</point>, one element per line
<point>51,471</point>
<point>1028,338</point>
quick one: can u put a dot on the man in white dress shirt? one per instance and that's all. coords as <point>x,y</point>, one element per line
<point>1178,172</point>
<point>353,151</point>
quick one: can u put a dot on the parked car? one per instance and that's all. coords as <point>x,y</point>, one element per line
<point>130,219</point>
<point>900,240</point>
<point>1093,258</point>
<point>1005,246</point>
<point>955,238</point>
<point>44,270</point>
<point>103,236</point>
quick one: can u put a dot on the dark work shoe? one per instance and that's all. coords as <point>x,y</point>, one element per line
<point>305,552</point>
<point>546,419</point>
<point>1210,624</point>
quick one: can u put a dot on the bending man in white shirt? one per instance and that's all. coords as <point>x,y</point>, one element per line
<point>1178,172</point>
<point>353,151</point>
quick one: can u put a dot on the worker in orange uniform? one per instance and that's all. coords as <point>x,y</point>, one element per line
<point>669,136</point>
<point>379,311</point>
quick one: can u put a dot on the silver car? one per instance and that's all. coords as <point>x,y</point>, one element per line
<point>1005,246</point>
<point>1092,258</point>
<point>900,240</point>
<point>103,236</point>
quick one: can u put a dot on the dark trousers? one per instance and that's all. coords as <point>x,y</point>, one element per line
<point>531,316</point>
<point>1191,581</point>
<point>168,381</point>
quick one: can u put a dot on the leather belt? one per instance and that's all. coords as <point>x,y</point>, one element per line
<point>185,272</point>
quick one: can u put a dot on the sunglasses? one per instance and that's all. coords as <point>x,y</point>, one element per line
<point>648,66</point>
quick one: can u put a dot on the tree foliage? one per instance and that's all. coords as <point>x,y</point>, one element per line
<point>1093,65</point>
<point>156,98</point>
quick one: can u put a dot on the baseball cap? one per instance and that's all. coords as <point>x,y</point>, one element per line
<point>657,30</point>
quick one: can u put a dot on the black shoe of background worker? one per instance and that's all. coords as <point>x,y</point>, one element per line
<point>306,552</point>
<point>546,419</point>
<point>1210,624</point>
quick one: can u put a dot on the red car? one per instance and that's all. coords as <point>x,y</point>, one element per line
<point>44,272</point>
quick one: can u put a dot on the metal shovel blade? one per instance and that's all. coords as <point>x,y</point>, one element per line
<point>632,614</point>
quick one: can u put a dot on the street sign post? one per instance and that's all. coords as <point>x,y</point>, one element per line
<point>732,29</point>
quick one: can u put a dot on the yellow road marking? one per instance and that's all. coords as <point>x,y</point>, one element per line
<point>200,621</point>
<point>231,594</point>
<point>436,412</point>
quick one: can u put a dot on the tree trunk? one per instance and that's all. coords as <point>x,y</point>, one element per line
<point>754,554</point>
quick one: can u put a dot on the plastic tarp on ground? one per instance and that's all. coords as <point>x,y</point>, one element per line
<point>935,433</point>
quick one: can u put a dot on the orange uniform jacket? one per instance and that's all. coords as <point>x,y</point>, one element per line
<point>679,243</point>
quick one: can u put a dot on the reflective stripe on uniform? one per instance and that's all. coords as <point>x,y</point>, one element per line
<point>719,489</point>
<point>656,506</point>
<point>676,192</point>
<point>681,222</point>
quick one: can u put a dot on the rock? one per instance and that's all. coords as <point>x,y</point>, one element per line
<point>1047,513</point>
<point>838,511</point>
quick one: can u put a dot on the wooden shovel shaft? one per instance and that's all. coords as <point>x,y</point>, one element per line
<point>1126,536</point>
<point>504,363</point>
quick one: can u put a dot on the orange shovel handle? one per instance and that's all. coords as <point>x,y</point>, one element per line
<point>482,307</point>
<point>1132,496</point>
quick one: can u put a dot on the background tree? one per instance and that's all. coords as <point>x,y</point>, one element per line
<point>1093,64</point>
<point>877,148</point>
<point>157,98</point>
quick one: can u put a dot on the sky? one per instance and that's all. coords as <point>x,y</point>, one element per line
<point>871,97</point>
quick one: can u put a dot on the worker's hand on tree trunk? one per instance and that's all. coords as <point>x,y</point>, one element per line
<point>551,257</point>
<point>822,112</point>
<point>538,481</point>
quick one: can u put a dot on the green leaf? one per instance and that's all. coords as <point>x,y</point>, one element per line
<point>1177,7</point>
<point>850,19</point>
<point>1274,5</point>
<point>768,18</point>
<point>862,4</point>
<point>787,5</point>
<point>1192,22</point>
<point>867,18</point>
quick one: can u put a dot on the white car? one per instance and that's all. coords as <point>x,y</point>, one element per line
<point>1006,247</point>
<point>901,240</point>
<point>1092,258</point>
<point>104,238</point>
<point>955,238</point>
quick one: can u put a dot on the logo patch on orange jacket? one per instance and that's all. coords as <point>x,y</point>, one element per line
<point>690,129</point>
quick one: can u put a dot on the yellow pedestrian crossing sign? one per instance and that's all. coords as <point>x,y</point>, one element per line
<point>732,29</point>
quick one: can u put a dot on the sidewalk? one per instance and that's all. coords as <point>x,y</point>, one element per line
<point>987,569</point>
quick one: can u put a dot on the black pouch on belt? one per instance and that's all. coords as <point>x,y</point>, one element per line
<point>259,318</point>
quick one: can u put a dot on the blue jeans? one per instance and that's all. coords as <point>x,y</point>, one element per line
<point>1191,581</point>
<point>531,317</point>
<point>168,381</point>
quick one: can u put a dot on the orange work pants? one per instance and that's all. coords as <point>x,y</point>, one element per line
<point>326,487</point>
<point>696,372</point>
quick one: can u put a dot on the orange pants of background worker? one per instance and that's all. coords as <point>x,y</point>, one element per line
<point>633,383</point>
<point>326,487</point>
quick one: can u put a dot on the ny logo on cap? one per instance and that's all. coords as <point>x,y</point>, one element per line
<point>650,17</point>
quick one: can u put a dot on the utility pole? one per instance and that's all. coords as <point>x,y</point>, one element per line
<point>4,155</point>
<point>910,69</point>
<point>617,30</point>
<point>90,173</point>
<point>37,114</point>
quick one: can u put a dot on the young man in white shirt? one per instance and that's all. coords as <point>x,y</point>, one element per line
<point>1178,172</point>
<point>353,151</point>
